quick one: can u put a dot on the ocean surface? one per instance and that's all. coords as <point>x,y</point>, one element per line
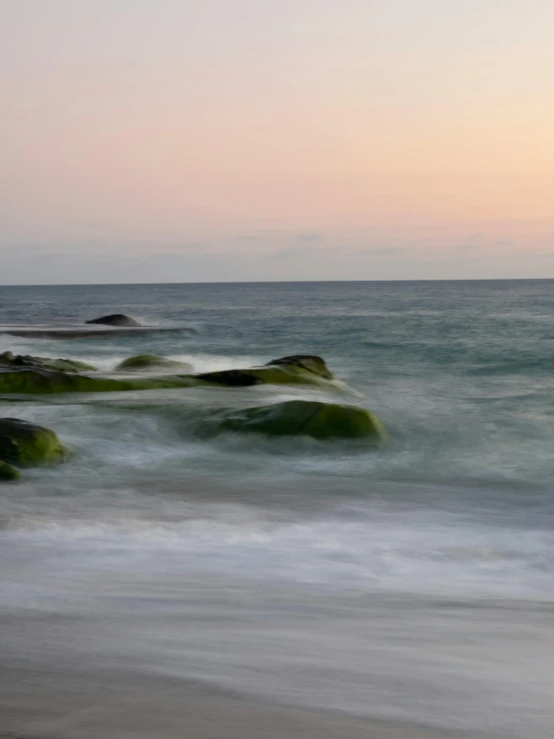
<point>415,582</point>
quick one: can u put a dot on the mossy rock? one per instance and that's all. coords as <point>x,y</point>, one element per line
<point>298,369</point>
<point>144,362</point>
<point>29,381</point>
<point>7,359</point>
<point>8,473</point>
<point>305,417</point>
<point>27,445</point>
<point>25,381</point>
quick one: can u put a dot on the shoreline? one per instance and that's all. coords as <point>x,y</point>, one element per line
<point>66,704</point>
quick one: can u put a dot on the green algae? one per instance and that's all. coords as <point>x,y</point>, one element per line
<point>151,362</point>
<point>30,381</point>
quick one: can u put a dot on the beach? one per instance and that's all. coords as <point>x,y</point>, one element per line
<point>182,572</point>
<point>277,369</point>
<point>58,704</point>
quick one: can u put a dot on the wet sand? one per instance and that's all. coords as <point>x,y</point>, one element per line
<point>65,704</point>
<point>159,657</point>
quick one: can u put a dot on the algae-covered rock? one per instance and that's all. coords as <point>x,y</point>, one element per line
<point>305,417</point>
<point>298,369</point>
<point>144,362</point>
<point>25,381</point>
<point>8,473</point>
<point>27,445</point>
<point>8,359</point>
<point>289,370</point>
<point>115,319</point>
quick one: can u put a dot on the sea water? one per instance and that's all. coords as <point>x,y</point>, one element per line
<point>414,582</point>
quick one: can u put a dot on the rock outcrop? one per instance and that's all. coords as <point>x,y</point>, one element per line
<point>146,362</point>
<point>306,362</point>
<point>319,420</point>
<point>25,444</point>
<point>38,382</point>
<point>7,359</point>
<point>39,379</point>
<point>115,319</point>
<point>297,369</point>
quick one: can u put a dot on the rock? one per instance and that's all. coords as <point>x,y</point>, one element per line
<point>307,362</point>
<point>305,417</point>
<point>152,362</point>
<point>7,359</point>
<point>27,445</point>
<point>25,381</point>
<point>303,369</point>
<point>115,319</point>
<point>8,473</point>
<point>232,378</point>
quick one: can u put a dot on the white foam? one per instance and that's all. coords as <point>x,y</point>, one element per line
<point>365,549</point>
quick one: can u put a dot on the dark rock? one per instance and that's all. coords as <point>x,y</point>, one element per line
<point>231,378</point>
<point>115,319</point>
<point>308,362</point>
<point>7,359</point>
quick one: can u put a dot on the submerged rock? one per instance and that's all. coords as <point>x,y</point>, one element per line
<point>305,417</point>
<point>7,359</point>
<point>115,319</point>
<point>25,381</point>
<point>303,369</point>
<point>92,333</point>
<point>27,445</point>
<point>151,361</point>
<point>8,473</point>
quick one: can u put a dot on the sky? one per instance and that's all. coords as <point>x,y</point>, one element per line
<point>235,140</point>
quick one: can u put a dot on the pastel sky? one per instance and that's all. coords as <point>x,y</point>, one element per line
<point>207,140</point>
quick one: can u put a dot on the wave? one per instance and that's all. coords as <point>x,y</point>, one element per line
<point>531,365</point>
<point>355,545</point>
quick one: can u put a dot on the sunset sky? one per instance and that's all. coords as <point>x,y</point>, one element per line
<point>206,140</point>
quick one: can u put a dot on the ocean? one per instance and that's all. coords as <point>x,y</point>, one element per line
<point>413,582</point>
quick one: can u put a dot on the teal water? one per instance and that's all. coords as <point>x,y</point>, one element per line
<point>402,582</point>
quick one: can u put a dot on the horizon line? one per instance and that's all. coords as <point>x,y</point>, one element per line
<point>281,282</point>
